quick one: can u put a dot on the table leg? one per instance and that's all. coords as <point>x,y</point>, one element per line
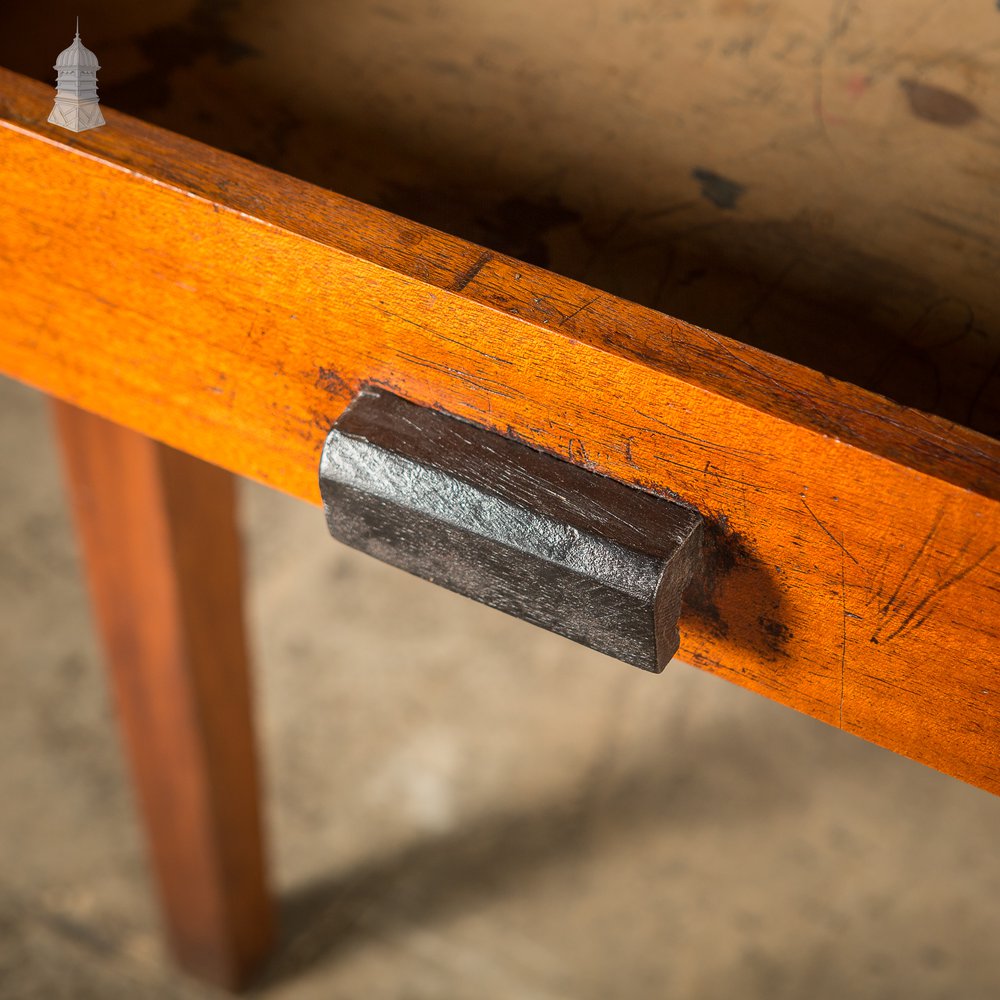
<point>162,552</point>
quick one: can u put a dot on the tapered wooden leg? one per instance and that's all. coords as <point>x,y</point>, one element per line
<point>163,559</point>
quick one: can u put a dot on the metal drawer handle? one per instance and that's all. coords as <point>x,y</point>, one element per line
<point>575,552</point>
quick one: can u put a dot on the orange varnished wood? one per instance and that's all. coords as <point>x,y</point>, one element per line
<point>231,311</point>
<point>163,560</point>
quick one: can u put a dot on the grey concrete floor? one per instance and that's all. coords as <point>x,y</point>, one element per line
<point>461,805</point>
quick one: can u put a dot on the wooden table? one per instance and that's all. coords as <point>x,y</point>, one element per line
<point>196,314</point>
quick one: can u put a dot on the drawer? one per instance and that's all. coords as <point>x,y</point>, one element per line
<point>743,259</point>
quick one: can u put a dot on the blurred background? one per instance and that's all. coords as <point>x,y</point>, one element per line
<point>461,805</point>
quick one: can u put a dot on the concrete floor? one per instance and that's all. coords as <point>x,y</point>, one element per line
<point>461,805</point>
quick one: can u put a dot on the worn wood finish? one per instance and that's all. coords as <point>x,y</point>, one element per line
<point>163,561</point>
<point>813,177</point>
<point>582,555</point>
<point>852,542</point>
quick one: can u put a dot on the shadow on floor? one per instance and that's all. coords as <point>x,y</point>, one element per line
<point>715,779</point>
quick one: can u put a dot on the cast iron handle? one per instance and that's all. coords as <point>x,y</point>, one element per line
<point>575,552</point>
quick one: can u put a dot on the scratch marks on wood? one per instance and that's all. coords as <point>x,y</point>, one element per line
<point>845,554</point>
<point>803,399</point>
<point>838,542</point>
<point>438,335</point>
<point>843,627</point>
<point>476,350</point>
<point>677,434</point>
<point>889,605</point>
<point>467,277</point>
<point>923,605</point>
<point>576,312</point>
<point>474,379</point>
<point>904,611</point>
<point>406,319</point>
<point>578,453</point>
<point>546,311</point>
<point>935,440</point>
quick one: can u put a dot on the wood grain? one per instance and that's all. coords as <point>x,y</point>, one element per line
<point>813,177</point>
<point>232,312</point>
<point>162,554</point>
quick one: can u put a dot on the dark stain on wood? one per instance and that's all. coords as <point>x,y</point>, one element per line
<point>937,105</point>
<point>468,276</point>
<point>720,191</point>
<point>730,566</point>
<point>165,48</point>
<point>330,381</point>
<point>777,631</point>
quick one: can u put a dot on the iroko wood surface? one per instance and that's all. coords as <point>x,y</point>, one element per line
<point>159,535</point>
<point>232,312</point>
<point>818,178</point>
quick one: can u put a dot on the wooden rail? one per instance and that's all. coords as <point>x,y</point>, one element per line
<point>231,312</point>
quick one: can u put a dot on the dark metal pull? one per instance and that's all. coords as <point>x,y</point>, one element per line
<point>575,552</point>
